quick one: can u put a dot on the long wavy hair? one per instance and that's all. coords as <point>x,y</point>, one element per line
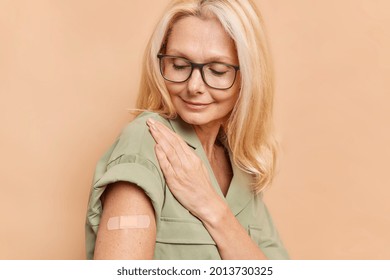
<point>249,129</point>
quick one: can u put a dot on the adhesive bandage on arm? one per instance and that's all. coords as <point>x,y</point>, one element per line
<point>128,222</point>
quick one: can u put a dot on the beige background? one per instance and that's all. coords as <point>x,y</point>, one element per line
<point>70,69</point>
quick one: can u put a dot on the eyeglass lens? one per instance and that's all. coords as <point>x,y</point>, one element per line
<point>216,75</point>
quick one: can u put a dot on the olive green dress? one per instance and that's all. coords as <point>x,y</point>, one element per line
<point>179,234</point>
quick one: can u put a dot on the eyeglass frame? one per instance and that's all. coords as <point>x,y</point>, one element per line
<point>197,66</point>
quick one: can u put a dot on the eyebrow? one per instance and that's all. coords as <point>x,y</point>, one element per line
<point>214,58</point>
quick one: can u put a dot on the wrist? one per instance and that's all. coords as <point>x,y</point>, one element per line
<point>215,214</point>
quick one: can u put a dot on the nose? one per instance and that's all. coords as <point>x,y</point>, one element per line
<point>195,83</point>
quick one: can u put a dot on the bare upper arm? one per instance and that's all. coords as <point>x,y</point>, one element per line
<point>125,199</point>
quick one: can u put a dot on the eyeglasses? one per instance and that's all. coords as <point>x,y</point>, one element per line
<point>216,75</point>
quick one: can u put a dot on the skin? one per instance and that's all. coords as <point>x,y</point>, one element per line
<point>125,199</point>
<point>206,109</point>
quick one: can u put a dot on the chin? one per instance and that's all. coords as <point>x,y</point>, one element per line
<point>193,118</point>
<point>199,118</point>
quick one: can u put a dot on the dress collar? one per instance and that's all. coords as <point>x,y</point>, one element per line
<point>186,131</point>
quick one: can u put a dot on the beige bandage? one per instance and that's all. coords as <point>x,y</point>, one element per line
<point>126,222</point>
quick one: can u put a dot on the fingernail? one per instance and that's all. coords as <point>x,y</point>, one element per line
<point>151,121</point>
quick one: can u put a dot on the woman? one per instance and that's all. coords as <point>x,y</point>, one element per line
<point>184,179</point>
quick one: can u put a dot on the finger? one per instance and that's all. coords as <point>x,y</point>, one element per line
<point>171,135</point>
<point>173,138</point>
<point>153,129</point>
<point>170,144</point>
<point>168,133</point>
<point>165,165</point>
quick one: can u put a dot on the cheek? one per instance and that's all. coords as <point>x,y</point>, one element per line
<point>232,102</point>
<point>235,92</point>
<point>174,88</point>
<point>230,98</point>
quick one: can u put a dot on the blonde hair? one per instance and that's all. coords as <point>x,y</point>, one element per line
<point>249,130</point>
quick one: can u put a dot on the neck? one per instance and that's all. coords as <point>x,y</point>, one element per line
<point>207,135</point>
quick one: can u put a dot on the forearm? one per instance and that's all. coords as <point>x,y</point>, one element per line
<point>233,242</point>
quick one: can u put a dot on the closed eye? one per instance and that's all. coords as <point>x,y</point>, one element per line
<point>180,67</point>
<point>217,73</point>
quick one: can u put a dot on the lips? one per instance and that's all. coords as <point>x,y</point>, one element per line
<point>195,106</point>
<point>196,103</point>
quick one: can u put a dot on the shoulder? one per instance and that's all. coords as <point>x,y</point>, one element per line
<point>132,159</point>
<point>139,123</point>
<point>135,138</point>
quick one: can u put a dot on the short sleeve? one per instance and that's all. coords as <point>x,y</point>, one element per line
<point>131,159</point>
<point>265,234</point>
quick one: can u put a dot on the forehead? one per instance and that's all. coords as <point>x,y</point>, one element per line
<point>201,39</point>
